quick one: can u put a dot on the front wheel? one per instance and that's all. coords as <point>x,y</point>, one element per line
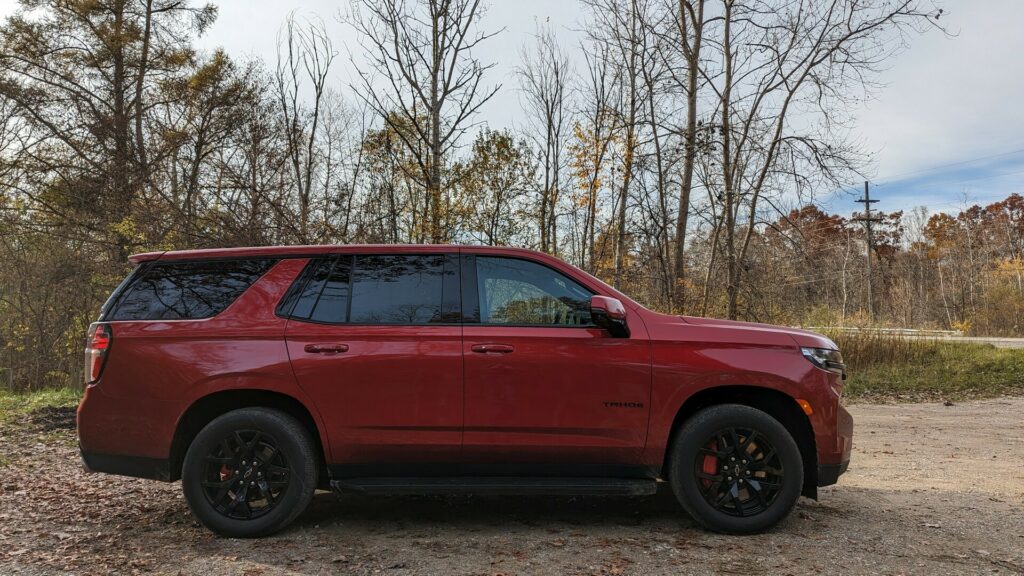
<point>735,469</point>
<point>249,472</point>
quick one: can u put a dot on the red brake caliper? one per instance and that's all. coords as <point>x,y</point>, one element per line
<point>710,465</point>
<point>225,472</point>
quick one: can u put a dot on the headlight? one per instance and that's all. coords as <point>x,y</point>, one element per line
<point>826,359</point>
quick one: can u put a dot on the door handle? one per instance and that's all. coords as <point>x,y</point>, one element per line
<point>492,348</point>
<point>325,348</point>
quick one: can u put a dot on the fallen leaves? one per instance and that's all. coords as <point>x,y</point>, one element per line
<point>55,518</point>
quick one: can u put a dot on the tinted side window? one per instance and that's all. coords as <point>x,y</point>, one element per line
<point>397,289</point>
<point>298,301</point>
<point>332,306</point>
<point>188,290</point>
<point>520,292</point>
<point>117,293</point>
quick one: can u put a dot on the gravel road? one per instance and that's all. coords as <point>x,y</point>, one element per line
<point>933,489</point>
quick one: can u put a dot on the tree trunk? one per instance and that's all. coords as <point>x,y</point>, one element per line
<point>620,239</point>
<point>732,290</point>
<point>690,143</point>
<point>123,182</point>
<point>434,176</point>
<point>140,142</point>
<point>631,43</point>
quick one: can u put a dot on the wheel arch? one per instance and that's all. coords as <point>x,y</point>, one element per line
<point>205,409</point>
<point>776,404</point>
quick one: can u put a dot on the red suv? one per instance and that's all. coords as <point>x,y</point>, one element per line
<point>257,375</point>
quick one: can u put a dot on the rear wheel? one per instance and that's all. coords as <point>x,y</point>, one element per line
<point>250,472</point>
<point>735,469</point>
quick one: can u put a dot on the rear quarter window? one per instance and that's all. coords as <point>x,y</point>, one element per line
<point>187,290</point>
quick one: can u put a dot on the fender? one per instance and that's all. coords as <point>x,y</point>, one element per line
<point>679,377</point>
<point>269,384</point>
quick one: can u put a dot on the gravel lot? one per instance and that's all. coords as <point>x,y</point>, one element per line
<point>933,489</point>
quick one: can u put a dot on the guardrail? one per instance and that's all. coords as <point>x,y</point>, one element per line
<point>945,335</point>
<point>895,331</point>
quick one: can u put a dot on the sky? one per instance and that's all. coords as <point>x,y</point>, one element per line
<point>946,127</point>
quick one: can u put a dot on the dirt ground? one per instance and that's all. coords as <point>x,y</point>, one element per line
<point>933,489</point>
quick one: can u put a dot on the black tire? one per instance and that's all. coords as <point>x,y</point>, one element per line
<point>712,446</point>
<point>280,468</point>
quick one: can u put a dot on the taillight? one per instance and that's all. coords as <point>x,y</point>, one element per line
<point>96,350</point>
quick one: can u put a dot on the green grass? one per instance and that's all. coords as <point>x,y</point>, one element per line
<point>15,404</point>
<point>885,368</point>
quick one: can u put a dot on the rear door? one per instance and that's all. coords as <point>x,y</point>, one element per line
<point>375,340</point>
<point>547,392</point>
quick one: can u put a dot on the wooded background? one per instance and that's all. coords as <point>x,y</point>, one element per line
<point>681,162</point>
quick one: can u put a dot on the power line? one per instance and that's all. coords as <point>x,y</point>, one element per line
<point>965,180</point>
<point>949,165</point>
<point>867,220</point>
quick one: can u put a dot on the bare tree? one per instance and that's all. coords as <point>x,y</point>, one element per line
<point>595,131</point>
<point>424,51</point>
<point>544,77</point>
<point>657,68</point>
<point>784,58</point>
<point>617,23</point>
<point>304,58</point>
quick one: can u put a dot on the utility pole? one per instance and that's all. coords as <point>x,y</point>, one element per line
<point>867,220</point>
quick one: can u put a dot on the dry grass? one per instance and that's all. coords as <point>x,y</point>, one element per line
<point>862,350</point>
<point>895,368</point>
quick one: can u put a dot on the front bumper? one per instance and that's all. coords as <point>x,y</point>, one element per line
<point>828,474</point>
<point>834,462</point>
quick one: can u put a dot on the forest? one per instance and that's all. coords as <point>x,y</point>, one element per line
<point>681,152</point>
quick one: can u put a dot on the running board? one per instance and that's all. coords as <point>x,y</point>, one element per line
<point>499,485</point>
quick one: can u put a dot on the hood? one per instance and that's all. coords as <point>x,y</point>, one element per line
<point>801,337</point>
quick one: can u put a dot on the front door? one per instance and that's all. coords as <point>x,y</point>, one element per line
<point>375,341</point>
<point>547,392</point>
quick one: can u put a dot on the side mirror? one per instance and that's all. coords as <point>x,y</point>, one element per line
<point>610,314</point>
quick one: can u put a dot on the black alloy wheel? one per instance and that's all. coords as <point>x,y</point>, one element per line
<point>740,472</point>
<point>735,469</point>
<point>250,472</point>
<point>246,475</point>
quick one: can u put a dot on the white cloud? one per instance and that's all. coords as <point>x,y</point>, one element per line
<point>949,99</point>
